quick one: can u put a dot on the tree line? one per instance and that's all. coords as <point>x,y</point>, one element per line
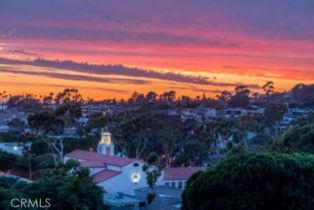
<point>300,95</point>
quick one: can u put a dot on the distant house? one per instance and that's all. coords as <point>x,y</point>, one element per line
<point>70,132</point>
<point>172,112</point>
<point>83,120</point>
<point>13,147</point>
<point>289,117</point>
<point>198,114</point>
<point>112,173</point>
<point>90,109</point>
<point>232,112</point>
<point>206,113</point>
<point>177,177</point>
<point>4,128</point>
<point>3,106</point>
<point>6,116</point>
<point>256,112</point>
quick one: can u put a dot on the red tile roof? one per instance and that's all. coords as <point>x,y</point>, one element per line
<point>104,175</point>
<point>92,164</point>
<point>95,157</point>
<point>21,173</point>
<point>183,173</point>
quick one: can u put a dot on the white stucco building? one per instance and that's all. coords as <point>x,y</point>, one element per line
<point>113,173</point>
<point>177,177</point>
<point>119,174</point>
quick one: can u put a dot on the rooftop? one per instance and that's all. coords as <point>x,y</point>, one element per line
<point>104,175</point>
<point>99,158</point>
<point>166,197</point>
<point>92,164</point>
<point>181,173</point>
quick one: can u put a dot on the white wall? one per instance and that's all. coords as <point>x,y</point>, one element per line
<point>123,182</point>
<point>12,148</point>
<point>162,182</point>
<point>93,171</point>
<point>66,158</point>
<point>114,168</point>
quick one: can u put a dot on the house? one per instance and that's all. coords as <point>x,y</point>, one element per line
<point>289,117</point>
<point>198,114</point>
<point>177,177</point>
<point>4,128</point>
<point>116,174</point>
<point>206,113</point>
<point>70,132</point>
<point>111,172</point>
<point>121,201</point>
<point>256,112</point>
<point>6,116</point>
<point>13,147</point>
<point>167,198</point>
<point>93,108</point>
<point>83,120</point>
<point>232,113</point>
<point>3,106</point>
<point>173,112</point>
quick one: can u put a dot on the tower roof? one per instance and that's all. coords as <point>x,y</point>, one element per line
<point>105,137</point>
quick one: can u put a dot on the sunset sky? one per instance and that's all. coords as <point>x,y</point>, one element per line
<point>183,45</point>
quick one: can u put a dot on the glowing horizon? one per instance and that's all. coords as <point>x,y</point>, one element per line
<point>224,42</point>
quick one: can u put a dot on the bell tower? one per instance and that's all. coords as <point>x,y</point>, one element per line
<point>105,146</point>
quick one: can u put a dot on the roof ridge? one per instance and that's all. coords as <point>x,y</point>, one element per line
<point>94,156</point>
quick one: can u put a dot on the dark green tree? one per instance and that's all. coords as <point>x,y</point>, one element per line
<point>7,161</point>
<point>303,95</point>
<point>153,172</point>
<point>269,88</point>
<point>26,102</point>
<point>274,113</point>
<point>296,139</point>
<point>69,95</point>
<point>54,123</point>
<point>69,187</point>
<point>6,195</point>
<point>255,182</point>
<point>241,97</point>
<point>151,96</point>
<point>193,153</point>
<point>11,188</point>
<point>46,122</point>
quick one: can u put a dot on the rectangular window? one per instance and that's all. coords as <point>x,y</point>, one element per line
<point>180,185</point>
<point>173,184</point>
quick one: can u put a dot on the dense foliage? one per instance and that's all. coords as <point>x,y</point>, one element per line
<point>67,187</point>
<point>254,182</point>
<point>296,139</point>
<point>303,95</point>
<point>160,124</point>
<point>7,161</point>
<point>274,113</point>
